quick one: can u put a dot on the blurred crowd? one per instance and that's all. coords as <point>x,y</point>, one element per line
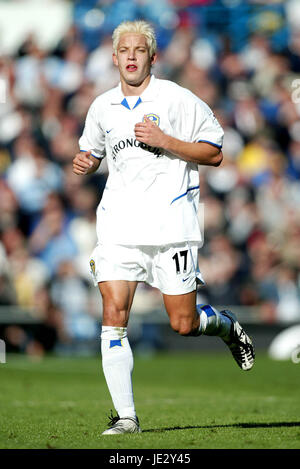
<point>243,59</point>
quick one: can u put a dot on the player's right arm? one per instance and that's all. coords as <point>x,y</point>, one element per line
<point>91,143</point>
<point>85,163</point>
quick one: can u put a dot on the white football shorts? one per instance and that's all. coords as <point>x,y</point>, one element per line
<point>172,269</point>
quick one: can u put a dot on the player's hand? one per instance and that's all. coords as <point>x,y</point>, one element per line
<point>149,133</point>
<point>82,164</point>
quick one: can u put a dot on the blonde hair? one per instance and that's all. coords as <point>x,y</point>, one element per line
<point>136,27</point>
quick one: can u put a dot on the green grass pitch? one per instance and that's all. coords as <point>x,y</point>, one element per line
<point>183,400</point>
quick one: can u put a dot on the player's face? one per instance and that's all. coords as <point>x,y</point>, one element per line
<point>133,59</point>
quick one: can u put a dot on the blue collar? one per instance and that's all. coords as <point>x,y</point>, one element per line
<point>125,103</point>
<point>148,95</point>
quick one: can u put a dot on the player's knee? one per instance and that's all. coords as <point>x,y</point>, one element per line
<point>183,326</point>
<point>186,330</point>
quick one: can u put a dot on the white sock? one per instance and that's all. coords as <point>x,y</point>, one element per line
<point>117,363</point>
<point>212,322</point>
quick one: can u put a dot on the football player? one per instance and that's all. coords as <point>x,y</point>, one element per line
<point>154,135</point>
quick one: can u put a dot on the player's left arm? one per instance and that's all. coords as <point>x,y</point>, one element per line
<point>201,153</point>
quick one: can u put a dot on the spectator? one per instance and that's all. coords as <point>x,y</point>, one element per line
<point>50,240</point>
<point>69,292</point>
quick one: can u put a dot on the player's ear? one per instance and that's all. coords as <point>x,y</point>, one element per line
<point>153,59</point>
<point>115,59</point>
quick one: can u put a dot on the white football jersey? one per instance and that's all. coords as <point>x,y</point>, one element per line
<point>151,196</point>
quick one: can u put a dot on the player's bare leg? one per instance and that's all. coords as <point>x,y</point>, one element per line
<point>117,359</point>
<point>187,318</point>
<point>117,297</point>
<point>182,313</point>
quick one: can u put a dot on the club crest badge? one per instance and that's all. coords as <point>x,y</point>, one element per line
<point>92,265</point>
<point>153,117</point>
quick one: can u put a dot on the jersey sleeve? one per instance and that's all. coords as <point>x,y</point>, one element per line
<point>202,125</point>
<point>93,137</point>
